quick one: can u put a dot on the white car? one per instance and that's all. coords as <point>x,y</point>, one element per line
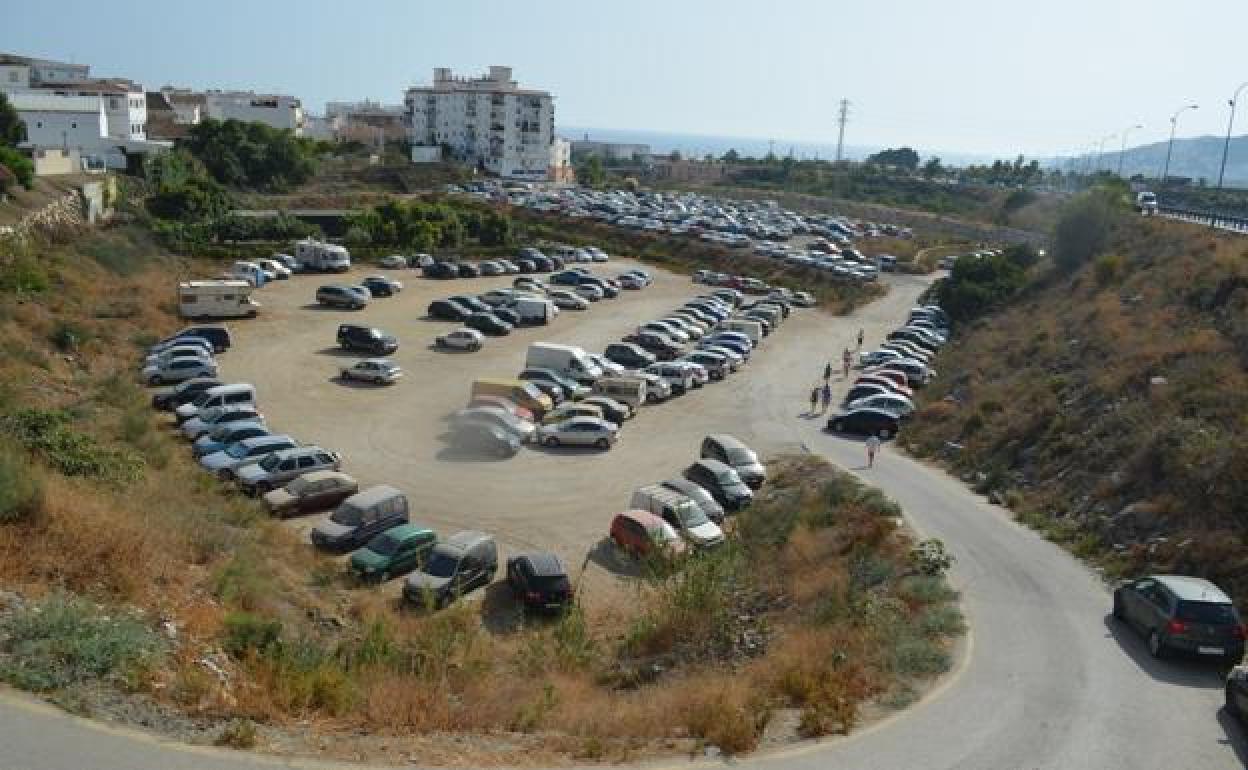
<point>678,378</point>
<point>271,266</point>
<point>566,300</point>
<point>461,339</point>
<point>888,402</point>
<point>667,329</point>
<point>609,368</point>
<point>582,255</point>
<point>598,254</point>
<point>393,262</point>
<point>178,351</point>
<point>589,292</point>
<point>630,281</point>
<point>381,371</point>
<point>579,431</point>
<point>178,370</point>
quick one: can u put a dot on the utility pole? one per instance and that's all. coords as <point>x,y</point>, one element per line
<point>841,119</point>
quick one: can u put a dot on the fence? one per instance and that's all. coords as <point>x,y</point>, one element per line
<point>1213,219</point>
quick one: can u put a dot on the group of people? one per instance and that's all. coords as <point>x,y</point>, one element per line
<point>821,395</point>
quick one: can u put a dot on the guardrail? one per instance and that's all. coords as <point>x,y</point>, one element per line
<point>1211,218</point>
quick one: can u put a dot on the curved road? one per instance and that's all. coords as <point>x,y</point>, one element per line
<point>1048,681</point>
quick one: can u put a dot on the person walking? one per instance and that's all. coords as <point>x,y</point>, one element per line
<point>846,358</point>
<point>826,393</point>
<point>873,446</point>
<point>860,334</point>
<point>814,399</point>
<point>827,371</point>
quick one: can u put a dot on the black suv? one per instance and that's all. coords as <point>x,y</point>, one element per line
<point>628,355</point>
<point>1178,614</point>
<point>367,339</point>
<point>443,270</point>
<point>448,310</point>
<point>540,581</point>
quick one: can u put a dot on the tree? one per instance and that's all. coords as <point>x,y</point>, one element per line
<point>18,165</point>
<point>590,173</point>
<point>12,129</point>
<point>1084,226</point>
<point>932,168</point>
<point>732,156</point>
<point>902,157</point>
<point>253,155</point>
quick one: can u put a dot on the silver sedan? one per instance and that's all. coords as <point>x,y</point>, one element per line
<point>579,431</point>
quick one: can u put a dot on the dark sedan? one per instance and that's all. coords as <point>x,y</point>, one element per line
<point>628,355</point>
<point>448,310</point>
<point>865,422</point>
<point>468,270</point>
<point>662,347</point>
<point>488,323</point>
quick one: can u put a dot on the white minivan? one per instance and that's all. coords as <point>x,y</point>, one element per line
<point>222,395</point>
<point>566,360</point>
<point>626,390</point>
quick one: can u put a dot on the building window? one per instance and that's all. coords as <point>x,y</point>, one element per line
<point>73,125</point>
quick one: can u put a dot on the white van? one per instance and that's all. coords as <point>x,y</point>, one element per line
<point>751,329</point>
<point>626,390</point>
<point>216,299</point>
<point>249,272</point>
<point>567,360</point>
<point>683,513</point>
<point>534,310</point>
<point>222,395</point>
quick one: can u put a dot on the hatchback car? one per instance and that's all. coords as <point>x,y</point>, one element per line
<point>579,431</point>
<point>1178,614</point>
<point>480,438</point>
<point>722,482</point>
<point>183,393</point>
<point>277,468</point>
<point>396,551</point>
<point>488,323</point>
<point>540,581</point>
<point>179,370</point>
<point>695,492</point>
<point>519,427</point>
<point>460,339</point>
<point>733,452</point>
<point>218,415</point>
<point>628,355</point>
<point>381,286</point>
<point>315,491</point>
<point>566,300</point>
<point>222,436</point>
<point>380,371</point>
<point>865,422</point>
<point>448,310</point>
<point>641,534</point>
<point>612,410</point>
<point>224,462</point>
<point>570,409</point>
<point>338,295</point>
<point>890,402</point>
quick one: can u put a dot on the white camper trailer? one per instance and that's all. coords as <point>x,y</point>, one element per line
<point>216,299</point>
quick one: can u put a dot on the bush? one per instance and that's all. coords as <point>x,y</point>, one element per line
<point>245,633</point>
<point>65,641</point>
<point>21,495</point>
<point>1084,227</point>
<point>239,734</point>
<point>24,275</point>
<point>1109,268</point>
<point>21,166</point>
<point>68,451</point>
<point>919,656</point>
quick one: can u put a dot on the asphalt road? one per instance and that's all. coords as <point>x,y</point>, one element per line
<point>1047,679</point>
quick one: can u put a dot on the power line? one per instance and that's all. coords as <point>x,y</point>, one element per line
<point>841,119</point>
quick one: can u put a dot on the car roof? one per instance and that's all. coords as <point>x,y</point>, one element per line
<point>1192,589</point>
<point>323,475</point>
<point>404,531</point>
<point>373,495</point>
<point>464,540</point>
<point>727,441</point>
<point>544,564</point>
<point>644,518</point>
<point>712,464</point>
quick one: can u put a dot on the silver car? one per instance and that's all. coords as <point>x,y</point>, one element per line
<point>277,468</point>
<point>217,415</point>
<point>566,300</point>
<point>244,452</point>
<point>178,370</point>
<point>579,431</point>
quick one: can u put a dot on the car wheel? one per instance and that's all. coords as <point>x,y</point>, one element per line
<point>1118,612</point>
<point>1231,707</point>
<point>602,443</point>
<point>1156,647</point>
<point>552,441</point>
<point>839,426</point>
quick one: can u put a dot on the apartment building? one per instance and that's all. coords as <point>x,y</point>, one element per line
<point>609,151</point>
<point>488,121</point>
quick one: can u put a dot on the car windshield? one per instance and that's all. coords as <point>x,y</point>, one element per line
<point>270,461</point>
<point>742,457</point>
<point>1206,612</point>
<point>728,477</point>
<point>441,565</point>
<point>346,515</point>
<point>691,516</point>
<point>237,450</point>
<point>383,545</point>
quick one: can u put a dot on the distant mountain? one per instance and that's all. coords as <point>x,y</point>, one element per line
<point>1197,158</point>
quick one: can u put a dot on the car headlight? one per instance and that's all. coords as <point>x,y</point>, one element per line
<point>1239,673</point>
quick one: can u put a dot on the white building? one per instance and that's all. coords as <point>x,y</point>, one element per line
<point>613,151</point>
<point>275,110</point>
<point>68,122</point>
<point>487,121</point>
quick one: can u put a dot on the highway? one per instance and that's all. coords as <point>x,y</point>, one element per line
<point>1046,681</point>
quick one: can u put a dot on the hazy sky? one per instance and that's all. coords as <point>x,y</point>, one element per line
<point>982,76</point>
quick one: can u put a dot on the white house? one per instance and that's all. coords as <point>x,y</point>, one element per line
<point>68,122</point>
<point>276,110</point>
<point>488,121</point>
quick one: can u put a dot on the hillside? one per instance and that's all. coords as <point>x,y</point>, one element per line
<point>1195,158</point>
<point>1107,407</point>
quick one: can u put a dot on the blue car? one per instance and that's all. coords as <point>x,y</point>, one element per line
<point>222,436</point>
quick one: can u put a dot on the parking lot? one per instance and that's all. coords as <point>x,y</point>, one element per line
<point>551,499</point>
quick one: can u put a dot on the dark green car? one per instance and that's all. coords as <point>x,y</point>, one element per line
<point>396,551</point>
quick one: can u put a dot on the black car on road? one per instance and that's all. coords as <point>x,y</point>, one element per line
<point>367,339</point>
<point>1178,614</point>
<point>865,422</point>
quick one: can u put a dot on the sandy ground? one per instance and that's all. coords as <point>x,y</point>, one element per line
<point>557,500</point>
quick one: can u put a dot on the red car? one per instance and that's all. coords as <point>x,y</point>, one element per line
<point>641,533</point>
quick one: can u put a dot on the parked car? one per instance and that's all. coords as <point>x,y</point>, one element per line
<point>1179,614</point>
<point>182,393</point>
<point>338,295</point>
<point>218,415</point>
<point>223,462</point>
<point>468,270</point>
<point>571,388</point>
<point>609,368</point>
<point>488,323</point>
<point>234,394</point>
<point>367,338</point>
<point>680,379</point>
<point>589,291</point>
<point>889,402</point>
<point>460,339</point>
<point>381,286</point>
<point>314,491</point>
<point>569,410</point>
<point>483,438</point>
<point>657,388</point>
<point>394,261</point>
<point>223,436</point>
<point>731,451</point>
<point>507,315</point>
<point>441,270</point>
<point>277,468</point>
<point>493,415</point>
<point>612,410</point>
<point>455,567</point>
<point>567,300</point>
<point>179,370</point>
<point>396,551</point>
<point>162,358</point>
<point>579,431</point>
<point>866,422</point>
<point>722,482</point>
<point>865,389</point>
<point>628,355</point>
<point>218,335</point>
<point>360,518</point>
<point>695,492</point>
<point>381,371</point>
<point>641,534</point>
<point>660,346</point>
<point>506,404</point>
<point>540,581</point>
<point>716,364</point>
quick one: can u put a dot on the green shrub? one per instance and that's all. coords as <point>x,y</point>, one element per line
<point>23,276</point>
<point>930,558</point>
<point>21,495</point>
<point>240,582</point>
<point>1084,227</point>
<point>942,620</point>
<point>919,656</point>
<point>239,734</point>
<point>65,640</point>
<point>245,633</point>
<point>68,336</point>
<point>68,451</point>
<point>1109,268</point>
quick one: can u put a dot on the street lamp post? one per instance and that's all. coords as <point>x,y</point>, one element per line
<point>1226,146</point>
<point>1174,122</point>
<point>1100,151</point>
<point>1123,152</point>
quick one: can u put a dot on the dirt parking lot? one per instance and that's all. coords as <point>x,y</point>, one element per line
<point>559,500</point>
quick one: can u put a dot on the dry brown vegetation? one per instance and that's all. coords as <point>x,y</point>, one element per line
<point>818,603</point>
<point>1108,407</point>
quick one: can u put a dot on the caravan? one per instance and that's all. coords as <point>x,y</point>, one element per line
<point>216,299</point>
<point>314,256</point>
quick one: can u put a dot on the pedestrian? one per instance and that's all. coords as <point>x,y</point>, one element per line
<point>827,371</point>
<point>860,340</point>
<point>846,357</point>
<point>826,393</point>
<point>814,399</point>
<point>873,446</point>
